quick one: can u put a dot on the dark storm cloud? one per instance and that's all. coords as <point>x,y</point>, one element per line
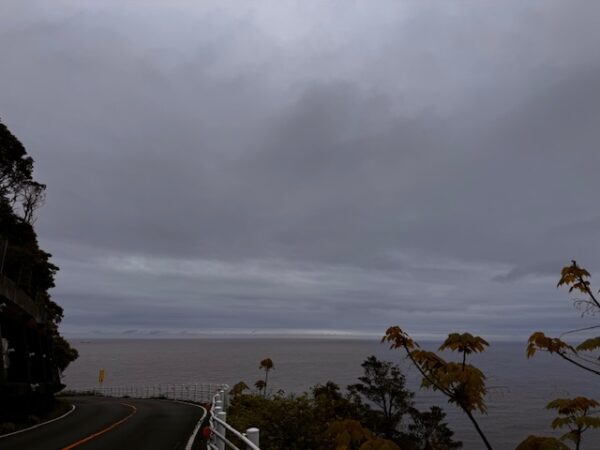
<point>309,166</point>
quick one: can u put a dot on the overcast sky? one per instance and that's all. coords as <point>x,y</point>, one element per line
<point>310,167</point>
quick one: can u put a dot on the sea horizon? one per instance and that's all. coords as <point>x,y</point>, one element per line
<point>225,335</point>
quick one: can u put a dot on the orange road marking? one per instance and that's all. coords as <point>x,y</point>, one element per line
<point>105,430</point>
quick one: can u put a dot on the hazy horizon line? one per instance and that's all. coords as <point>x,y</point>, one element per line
<point>268,335</point>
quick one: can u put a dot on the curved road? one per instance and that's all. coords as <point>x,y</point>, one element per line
<point>114,423</point>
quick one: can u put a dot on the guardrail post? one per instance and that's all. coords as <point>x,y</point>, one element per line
<point>253,435</point>
<point>214,439</point>
<point>221,429</point>
<point>225,400</point>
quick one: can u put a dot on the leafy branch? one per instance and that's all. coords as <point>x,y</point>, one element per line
<point>577,279</point>
<point>462,383</point>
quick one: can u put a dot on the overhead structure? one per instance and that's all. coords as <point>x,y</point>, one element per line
<point>28,374</point>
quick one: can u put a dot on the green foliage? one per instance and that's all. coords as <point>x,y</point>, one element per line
<point>572,406</point>
<point>266,365</point>
<point>541,443</point>
<point>308,421</point>
<point>398,338</point>
<point>64,354</point>
<point>538,341</point>
<point>26,264</point>
<point>377,443</point>
<point>464,343</point>
<point>351,435</point>
<point>589,345</point>
<point>575,277</point>
<point>16,167</point>
<point>463,384</point>
<point>384,385</point>
<point>328,398</point>
<point>290,422</point>
<point>430,432</point>
<point>375,408</point>
<point>573,413</point>
<point>238,388</point>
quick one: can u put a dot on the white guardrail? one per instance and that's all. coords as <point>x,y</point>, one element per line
<point>214,396</point>
<point>220,427</point>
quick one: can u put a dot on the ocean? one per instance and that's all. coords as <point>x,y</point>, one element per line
<point>519,388</point>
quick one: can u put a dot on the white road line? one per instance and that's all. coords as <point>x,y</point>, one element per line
<point>39,424</point>
<point>192,438</point>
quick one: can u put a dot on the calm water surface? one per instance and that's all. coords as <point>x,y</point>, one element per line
<point>516,402</point>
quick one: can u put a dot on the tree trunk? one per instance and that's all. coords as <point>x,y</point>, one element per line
<point>476,425</point>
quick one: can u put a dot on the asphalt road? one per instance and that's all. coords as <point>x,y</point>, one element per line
<point>114,424</point>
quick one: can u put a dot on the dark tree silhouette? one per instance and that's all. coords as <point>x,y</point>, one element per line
<point>384,385</point>
<point>267,365</point>
<point>22,260</point>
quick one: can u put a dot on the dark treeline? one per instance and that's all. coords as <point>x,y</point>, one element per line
<point>21,258</point>
<point>377,413</point>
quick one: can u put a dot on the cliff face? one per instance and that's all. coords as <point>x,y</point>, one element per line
<point>31,356</point>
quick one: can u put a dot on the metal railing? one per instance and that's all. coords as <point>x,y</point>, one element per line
<point>220,428</point>
<point>197,393</point>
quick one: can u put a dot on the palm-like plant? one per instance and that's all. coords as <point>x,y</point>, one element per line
<point>266,365</point>
<point>463,384</point>
<point>464,343</point>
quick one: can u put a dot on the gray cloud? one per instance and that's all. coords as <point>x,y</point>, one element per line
<point>309,166</point>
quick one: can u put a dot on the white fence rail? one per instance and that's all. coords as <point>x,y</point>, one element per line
<point>221,429</point>
<point>198,393</point>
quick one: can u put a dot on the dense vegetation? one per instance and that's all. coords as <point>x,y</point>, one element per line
<point>23,261</point>
<point>378,412</point>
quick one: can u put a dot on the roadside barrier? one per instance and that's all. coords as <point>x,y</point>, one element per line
<point>220,428</point>
<point>197,393</point>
